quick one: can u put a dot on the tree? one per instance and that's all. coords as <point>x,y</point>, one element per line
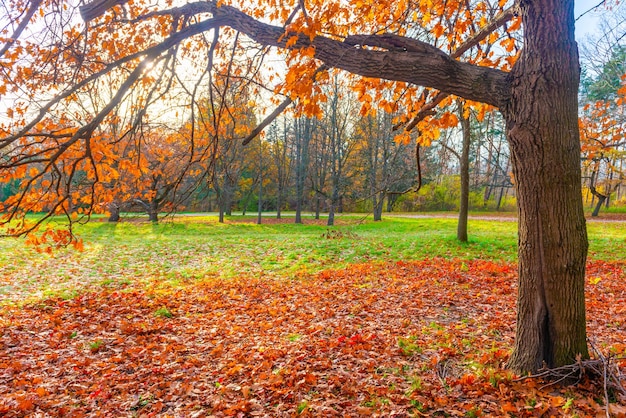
<point>603,122</point>
<point>162,167</point>
<point>227,116</point>
<point>537,95</point>
<point>385,164</point>
<point>461,231</point>
<point>496,172</point>
<point>280,150</point>
<point>603,128</point>
<point>335,130</point>
<point>302,138</point>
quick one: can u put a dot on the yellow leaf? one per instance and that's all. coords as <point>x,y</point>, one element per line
<point>595,280</point>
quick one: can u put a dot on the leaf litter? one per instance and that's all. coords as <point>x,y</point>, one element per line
<point>424,338</point>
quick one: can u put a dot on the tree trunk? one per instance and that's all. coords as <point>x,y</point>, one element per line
<point>153,211</point>
<point>303,135</point>
<point>114,212</point>
<point>608,186</point>
<point>259,218</point>
<point>392,198</point>
<point>601,199</point>
<point>331,214</point>
<point>298,219</point>
<point>499,200</point>
<point>542,129</point>
<point>461,231</point>
<point>378,202</point>
<point>318,206</point>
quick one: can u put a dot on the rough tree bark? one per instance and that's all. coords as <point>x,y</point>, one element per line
<point>542,129</point>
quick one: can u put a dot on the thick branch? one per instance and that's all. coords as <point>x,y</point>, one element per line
<point>428,67</point>
<point>502,18</point>
<point>419,64</point>
<point>97,8</point>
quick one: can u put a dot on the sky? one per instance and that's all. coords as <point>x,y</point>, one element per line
<point>588,24</point>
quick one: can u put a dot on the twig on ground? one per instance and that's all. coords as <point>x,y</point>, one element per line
<point>600,367</point>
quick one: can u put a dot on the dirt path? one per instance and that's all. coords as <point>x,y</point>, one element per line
<point>504,217</point>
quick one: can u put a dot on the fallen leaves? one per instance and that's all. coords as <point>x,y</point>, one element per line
<point>393,339</point>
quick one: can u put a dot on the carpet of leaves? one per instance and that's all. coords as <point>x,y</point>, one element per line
<point>423,338</point>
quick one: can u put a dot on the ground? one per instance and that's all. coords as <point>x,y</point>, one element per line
<point>421,338</point>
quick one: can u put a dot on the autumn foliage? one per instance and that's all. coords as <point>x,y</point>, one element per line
<point>603,129</point>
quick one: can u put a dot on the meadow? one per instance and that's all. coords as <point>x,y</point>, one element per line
<point>179,250</point>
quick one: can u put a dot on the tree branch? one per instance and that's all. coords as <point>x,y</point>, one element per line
<point>502,18</point>
<point>34,5</point>
<point>270,118</point>
<point>97,8</point>
<point>419,64</point>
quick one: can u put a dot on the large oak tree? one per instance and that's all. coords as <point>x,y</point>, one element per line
<point>537,97</point>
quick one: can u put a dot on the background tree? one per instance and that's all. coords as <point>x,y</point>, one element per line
<point>386,165</point>
<point>303,127</point>
<point>281,152</point>
<point>336,129</point>
<point>227,118</point>
<point>603,120</point>
<point>464,163</point>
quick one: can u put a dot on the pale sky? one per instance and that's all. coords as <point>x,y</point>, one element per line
<point>587,25</point>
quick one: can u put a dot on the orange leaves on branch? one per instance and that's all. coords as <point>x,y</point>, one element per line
<point>448,120</point>
<point>516,24</point>
<point>438,30</point>
<point>403,137</point>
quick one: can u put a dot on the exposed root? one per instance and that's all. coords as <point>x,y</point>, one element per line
<point>601,367</point>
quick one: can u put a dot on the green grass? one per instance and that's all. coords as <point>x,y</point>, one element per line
<point>174,253</point>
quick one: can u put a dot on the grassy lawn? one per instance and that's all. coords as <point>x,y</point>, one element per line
<point>176,252</point>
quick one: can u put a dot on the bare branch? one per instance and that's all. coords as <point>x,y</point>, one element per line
<point>427,110</point>
<point>268,119</point>
<point>591,9</point>
<point>34,5</point>
<point>280,109</point>
<point>498,21</point>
